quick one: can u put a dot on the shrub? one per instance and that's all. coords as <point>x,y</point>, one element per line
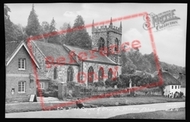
<point>123,81</point>
<point>38,92</point>
<point>71,84</point>
<point>99,84</point>
<point>181,94</point>
<point>111,82</point>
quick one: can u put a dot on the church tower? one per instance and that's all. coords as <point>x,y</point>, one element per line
<point>108,40</point>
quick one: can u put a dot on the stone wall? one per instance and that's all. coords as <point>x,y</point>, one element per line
<point>96,67</point>
<point>48,69</point>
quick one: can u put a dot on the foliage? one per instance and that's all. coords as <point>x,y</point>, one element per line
<point>53,31</point>
<point>127,65</point>
<point>124,82</point>
<point>71,84</point>
<point>13,32</point>
<point>77,35</point>
<point>139,61</point>
<point>99,84</point>
<point>63,35</point>
<point>50,29</point>
<point>152,58</point>
<point>52,90</point>
<point>111,82</point>
<point>33,26</point>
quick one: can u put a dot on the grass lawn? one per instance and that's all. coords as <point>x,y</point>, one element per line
<point>175,114</point>
<point>112,101</point>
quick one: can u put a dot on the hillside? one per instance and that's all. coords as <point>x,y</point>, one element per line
<point>146,62</point>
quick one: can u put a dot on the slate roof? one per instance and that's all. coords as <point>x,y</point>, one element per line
<point>54,51</point>
<point>98,58</point>
<point>182,79</point>
<point>168,78</point>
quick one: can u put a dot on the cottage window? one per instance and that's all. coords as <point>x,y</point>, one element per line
<point>21,63</point>
<point>172,86</point>
<point>21,87</point>
<point>175,87</point>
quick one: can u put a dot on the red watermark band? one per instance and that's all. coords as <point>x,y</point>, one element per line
<point>82,56</point>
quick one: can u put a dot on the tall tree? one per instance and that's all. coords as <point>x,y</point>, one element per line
<point>69,36</point>
<point>33,26</point>
<point>63,35</point>
<point>45,26</point>
<point>54,38</point>
<point>80,36</point>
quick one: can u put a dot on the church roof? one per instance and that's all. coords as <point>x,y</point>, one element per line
<point>54,51</point>
<point>91,56</point>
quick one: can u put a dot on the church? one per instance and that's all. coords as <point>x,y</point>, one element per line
<point>68,63</point>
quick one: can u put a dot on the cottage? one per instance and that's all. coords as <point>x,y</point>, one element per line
<point>19,68</point>
<point>171,84</point>
<point>182,79</point>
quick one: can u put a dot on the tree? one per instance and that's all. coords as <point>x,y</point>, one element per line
<point>64,27</point>
<point>54,38</point>
<point>13,32</point>
<point>139,61</point>
<point>79,36</point>
<point>69,36</point>
<point>45,29</point>
<point>152,59</point>
<point>33,26</point>
<point>127,65</point>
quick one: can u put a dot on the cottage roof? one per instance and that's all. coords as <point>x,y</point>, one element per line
<point>182,79</point>
<point>168,78</point>
<point>13,48</point>
<point>55,51</point>
<point>91,56</point>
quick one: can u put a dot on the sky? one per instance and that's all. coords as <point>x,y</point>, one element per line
<point>170,42</point>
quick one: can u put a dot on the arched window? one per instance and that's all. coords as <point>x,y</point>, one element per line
<point>55,73</point>
<point>110,72</point>
<point>101,74</point>
<point>116,44</point>
<point>90,74</point>
<point>70,74</point>
<point>101,43</point>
